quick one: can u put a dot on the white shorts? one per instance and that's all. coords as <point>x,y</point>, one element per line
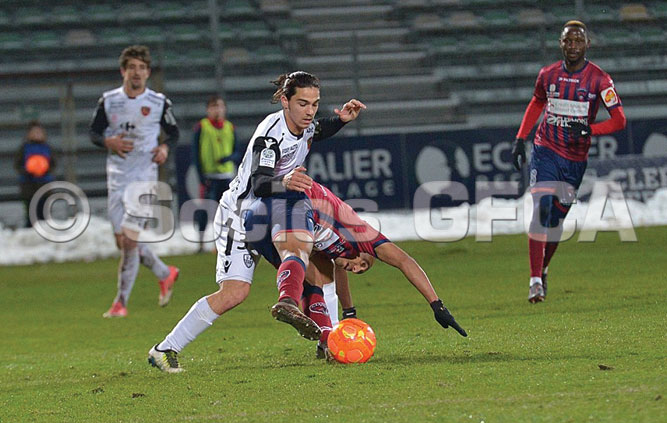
<point>119,217</point>
<point>235,261</point>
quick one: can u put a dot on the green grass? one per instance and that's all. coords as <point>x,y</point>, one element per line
<point>62,362</point>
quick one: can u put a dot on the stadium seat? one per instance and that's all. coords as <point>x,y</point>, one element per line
<point>531,17</point>
<point>465,19</point>
<point>79,37</point>
<point>274,7</point>
<point>659,9</point>
<point>10,41</point>
<point>171,9</point>
<point>100,12</point>
<point>4,17</point>
<point>634,12</point>
<point>253,30</point>
<point>427,21</point>
<point>137,11</point>
<point>45,39</point>
<point>65,14</point>
<point>114,36</point>
<point>601,13</point>
<point>496,18</point>
<point>225,32</point>
<point>29,15</point>
<point>148,34</point>
<point>444,45</point>
<point>651,34</point>
<point>185,33</point>
<point>562,14</point>
<point>235,9</point>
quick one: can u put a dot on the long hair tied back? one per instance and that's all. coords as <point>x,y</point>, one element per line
<point>288,83</point>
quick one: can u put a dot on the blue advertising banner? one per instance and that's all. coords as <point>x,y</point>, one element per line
<point>388,169</point>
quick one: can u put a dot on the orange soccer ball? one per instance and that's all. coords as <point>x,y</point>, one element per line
<point>37,165</point>
<point>352,341</point>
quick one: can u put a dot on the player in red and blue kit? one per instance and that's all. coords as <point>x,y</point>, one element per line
<point>342,237</point>
<point>569,92</point>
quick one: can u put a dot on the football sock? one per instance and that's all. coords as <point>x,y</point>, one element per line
<point>196,320</point>
<point>152,261</point>
<point>549,251</point>
<point>534,280</point>
<point>331,299</point>
<point>536,253</point>
<point>291,274</point>
<point>127,274</point>
<point>316,308</point>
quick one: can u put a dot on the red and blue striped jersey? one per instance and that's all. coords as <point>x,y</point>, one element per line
<point>571,96</point>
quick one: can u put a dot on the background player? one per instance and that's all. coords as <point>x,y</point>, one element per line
<point>278,147</point>
<point>572,90</point>
<point>127,122</point>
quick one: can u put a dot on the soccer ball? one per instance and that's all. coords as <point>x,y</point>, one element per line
<point>37,165</point>
<point>352,341</point>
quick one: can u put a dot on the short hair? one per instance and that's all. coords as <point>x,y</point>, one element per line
<point>138,52</point>
<point>288,83</point>
<point>34,124</point>
<point>214,99</point>
<point>575,23</point>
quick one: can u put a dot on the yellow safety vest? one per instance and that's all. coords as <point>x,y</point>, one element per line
<point>215,144</point>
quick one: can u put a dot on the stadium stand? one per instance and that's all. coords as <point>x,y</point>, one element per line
<point>418,64</point>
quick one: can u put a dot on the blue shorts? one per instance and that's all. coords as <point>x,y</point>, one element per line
<point>547,166</point>
<point>270,216</point>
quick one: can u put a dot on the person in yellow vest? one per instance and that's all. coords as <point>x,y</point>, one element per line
<point>216,154</point>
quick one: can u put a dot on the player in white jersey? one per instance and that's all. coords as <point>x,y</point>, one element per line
<point>272,169</point>
<point>127,122</point>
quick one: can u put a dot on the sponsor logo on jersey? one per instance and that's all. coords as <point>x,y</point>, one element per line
<point>560,78</point>
<point>567,107</point>
<point>248,261</point>
<point>145,110</point>
<point>227,265</point>
<point>609,97</point>
<point>267,158</point>
<point>563,122</point>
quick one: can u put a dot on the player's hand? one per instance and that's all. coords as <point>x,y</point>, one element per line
<point>444,317</point>
<point>349,313</point>
<point>297,180</point>
<point>519,152</point>
<point>350,110</point>
<point>119,145</point>
<point>160,153</point>
<point>579,129</point>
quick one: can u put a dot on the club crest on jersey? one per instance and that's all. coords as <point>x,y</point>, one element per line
<point>247,260</point>
<point>609,97</point>
<point>310,142</point>
<point>145,110</point>
<point>582,94</point>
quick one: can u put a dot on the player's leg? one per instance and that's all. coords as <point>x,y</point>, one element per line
<point>320,273</point>
<point>128,268</point>
<point>234,272</point>
<point>167,275</point>
<point>115,213</point>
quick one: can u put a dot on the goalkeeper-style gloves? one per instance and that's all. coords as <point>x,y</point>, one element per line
<point>519,151</point>
<point>444,317</point>
<point>579,129</point>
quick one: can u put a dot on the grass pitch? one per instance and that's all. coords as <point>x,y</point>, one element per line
<point>594,351</point>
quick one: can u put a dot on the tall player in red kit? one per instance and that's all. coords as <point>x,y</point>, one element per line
<point>572,90</point>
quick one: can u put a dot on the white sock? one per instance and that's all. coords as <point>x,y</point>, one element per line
<point>195,321</point>
<point>545,270</point>
<point>127,274</point>
<point>153,262</point>
<point>535,279</point>
<point>331,299</point>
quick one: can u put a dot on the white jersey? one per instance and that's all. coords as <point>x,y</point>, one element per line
<point>293,152</point>
<point>139,119</point>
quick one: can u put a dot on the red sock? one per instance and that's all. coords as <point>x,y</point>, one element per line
<point>291,274</point>
<point>536,253</point>
<point>315,307</point>
<point>549,251</point>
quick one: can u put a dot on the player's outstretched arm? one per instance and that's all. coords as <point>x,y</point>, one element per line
<point>392,254</point>
<point>350,110</point>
